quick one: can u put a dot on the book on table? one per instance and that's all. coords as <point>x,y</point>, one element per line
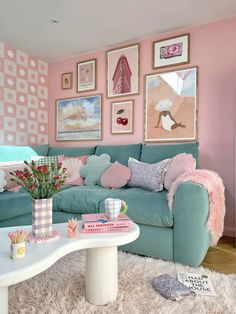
<point>101,223</point>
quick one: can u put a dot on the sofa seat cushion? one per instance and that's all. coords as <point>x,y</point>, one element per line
<point>146,207</point>
<point>83,199</point>
<point>13,204</point>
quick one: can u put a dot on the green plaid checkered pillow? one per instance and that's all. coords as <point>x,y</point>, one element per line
<point>48,160</point>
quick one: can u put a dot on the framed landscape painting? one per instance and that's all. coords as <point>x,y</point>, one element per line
<point>79,119</point>
<point>122,117</point>
<point>171,51</point>
<point>86,75</point>
<point>123,71</point>
<point>171,106</point>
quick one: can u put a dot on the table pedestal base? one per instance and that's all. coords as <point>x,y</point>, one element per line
<point>101,275</point>
<point>4,300</point>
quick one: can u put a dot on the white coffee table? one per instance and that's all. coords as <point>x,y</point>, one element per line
<point>101,261</point>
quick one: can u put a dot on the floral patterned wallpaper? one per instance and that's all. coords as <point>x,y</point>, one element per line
<point>23,98</point>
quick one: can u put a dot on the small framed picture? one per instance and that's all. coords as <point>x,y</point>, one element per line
<point>171,51</point>
<point>122,117</point>
<point>86,75</point>
<point>123,71</point>
<point>66,80</point>
<point>79,118</point>
<point>171,105</point>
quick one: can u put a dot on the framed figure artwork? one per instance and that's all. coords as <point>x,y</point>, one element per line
<point>123,71</point>
<point>171,51</point>
<point>122,117</point>
<point>66,80</point>
<point>86,75</point>
<point>79,118</point>
<point>171,105</point>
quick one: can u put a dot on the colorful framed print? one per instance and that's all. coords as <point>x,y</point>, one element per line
<point>122,117</point>
<point>171,106</point>
<point>123,71</point>
<point>66,80</point>
<point>79,119</point>
<point>86,75</point>
<point>171,51</point>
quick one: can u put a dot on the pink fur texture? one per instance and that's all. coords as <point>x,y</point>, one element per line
<point>215,188</point>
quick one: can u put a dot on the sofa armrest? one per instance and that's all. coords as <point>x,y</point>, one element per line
<point>191,236</point>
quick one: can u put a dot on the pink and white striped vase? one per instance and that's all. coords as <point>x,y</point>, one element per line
<point>42,217</point>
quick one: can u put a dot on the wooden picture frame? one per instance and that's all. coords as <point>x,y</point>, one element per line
<point>122,73</point>
<point>67,80</point>
<point>171,51</point>
<point>79,118</point>
<point>122,117</point>
<point>86,75</point>
<point>171,106</point>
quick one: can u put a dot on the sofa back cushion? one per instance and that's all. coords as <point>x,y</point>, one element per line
<point>71,151</point>
<point>16,153</point>
<point>120,153</point>
<point>41,150</point>
<point>156,153</point>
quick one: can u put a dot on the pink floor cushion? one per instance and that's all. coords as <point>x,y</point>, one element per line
<point>179,164</point>
<point>116,176</point>
<point>73,165</point>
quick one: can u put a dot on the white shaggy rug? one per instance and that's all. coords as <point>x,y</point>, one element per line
<point>61,290</point>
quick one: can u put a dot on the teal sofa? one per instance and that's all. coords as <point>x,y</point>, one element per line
<point>181,236</point>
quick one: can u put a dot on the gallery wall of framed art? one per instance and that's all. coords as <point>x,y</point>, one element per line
<point>131,98</point>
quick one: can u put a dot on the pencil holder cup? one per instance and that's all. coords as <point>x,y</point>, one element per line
<point>17,250</point>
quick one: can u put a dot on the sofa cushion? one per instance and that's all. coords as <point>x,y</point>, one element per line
<point>71,151</point>
<point>120,153</point>
<point>94,168</point>
<point>41,150</point>
<point>8,167</point>
<point>148,176</point>
<point>16,153</point>
<point>116,176</point>
<point>73,165</point>
<point>14,204</point>
<point>180,164</point>
<point>145,207</point>
<point>156,153</point>
<point>83,199</point>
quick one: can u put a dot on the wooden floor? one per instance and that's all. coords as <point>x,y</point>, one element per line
<point>222,258</point>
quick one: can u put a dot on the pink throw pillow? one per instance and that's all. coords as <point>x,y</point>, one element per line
<point>179,164</point>
<point>116,176</point>
<point>8,167</point>
<point>73,165</point>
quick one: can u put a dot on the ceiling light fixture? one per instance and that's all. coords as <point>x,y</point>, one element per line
<point>53,21</point>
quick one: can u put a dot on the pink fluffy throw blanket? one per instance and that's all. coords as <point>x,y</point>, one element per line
<point>215,188</point>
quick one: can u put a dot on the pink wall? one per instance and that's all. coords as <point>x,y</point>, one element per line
<point>213,49</point>
<point>23,98</point>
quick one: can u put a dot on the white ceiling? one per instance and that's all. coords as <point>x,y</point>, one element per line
<point>88,25</point>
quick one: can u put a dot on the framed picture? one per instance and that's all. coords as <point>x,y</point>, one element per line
<point>171,51</point>
<point>86,75</point>
<point>123,71</point>
<point>79,119</point>
<point>66,80</point>
<point>171,106</point>
<point>122,117</point>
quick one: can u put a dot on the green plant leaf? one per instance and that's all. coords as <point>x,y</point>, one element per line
<point>120,111</point>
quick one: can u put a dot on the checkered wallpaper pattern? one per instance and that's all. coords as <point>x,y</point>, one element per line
<point>23,98</point>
